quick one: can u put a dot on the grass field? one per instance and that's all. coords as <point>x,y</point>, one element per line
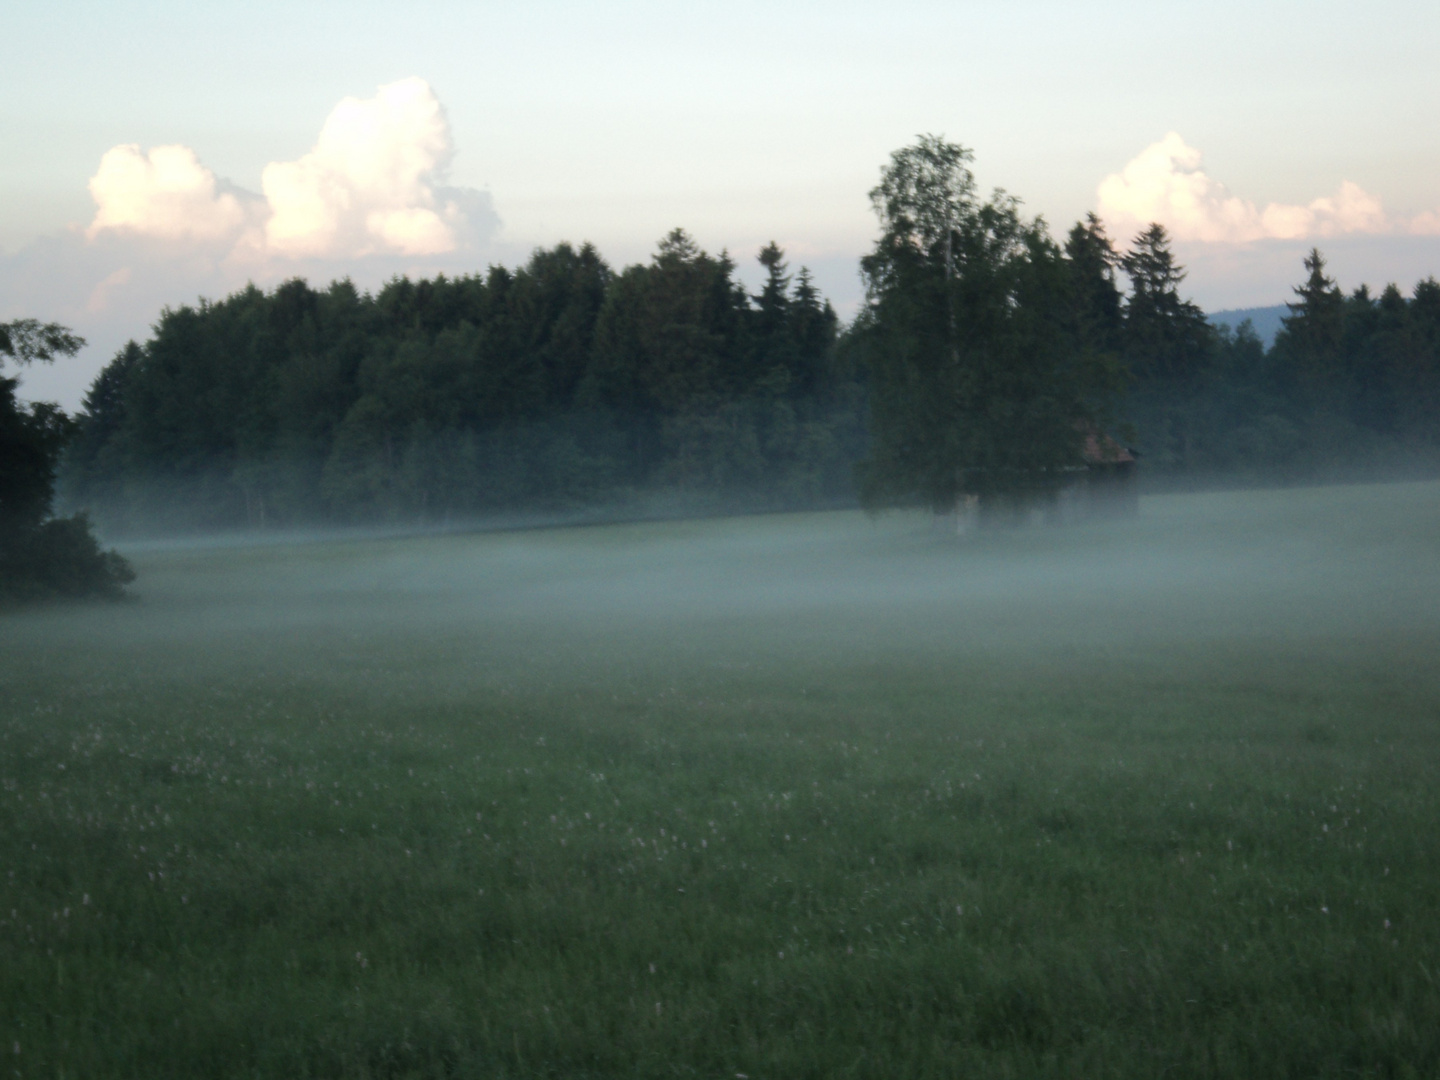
<point>807,796</point>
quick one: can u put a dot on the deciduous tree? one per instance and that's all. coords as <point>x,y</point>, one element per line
<point>981,380</point>
<point>41,556</point>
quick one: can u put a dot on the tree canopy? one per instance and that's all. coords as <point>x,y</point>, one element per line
<point>987,365</point>
<point>552,387</point>
<point>985,356</point>
<point>1350,387</point>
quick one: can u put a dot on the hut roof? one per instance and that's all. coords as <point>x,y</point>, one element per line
<point>1101,449</point>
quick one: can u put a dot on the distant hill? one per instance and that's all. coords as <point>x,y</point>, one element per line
<point>1265,320</point>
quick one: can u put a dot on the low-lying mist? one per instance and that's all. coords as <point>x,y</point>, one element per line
<point>799,795</point>
<point>1195,577</point>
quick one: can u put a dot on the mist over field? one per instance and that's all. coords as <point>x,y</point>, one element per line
<point>781,796</point>
<point>533,551</point>
<point>800,795</point>
<point>1290,570</point>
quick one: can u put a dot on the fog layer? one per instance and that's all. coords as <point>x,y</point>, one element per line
<point>1302,577</point>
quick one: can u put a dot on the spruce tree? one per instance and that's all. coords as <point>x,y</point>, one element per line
<point>1166,337</point>
<point>1312,339</point>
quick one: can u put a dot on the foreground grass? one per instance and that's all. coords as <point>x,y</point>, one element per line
<point>783,798</point>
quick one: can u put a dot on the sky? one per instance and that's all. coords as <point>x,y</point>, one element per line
<point>156,153</point>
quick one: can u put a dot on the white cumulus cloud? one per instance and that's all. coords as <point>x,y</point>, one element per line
<point>1167,183</point>
<point>371,186</point>
<point>166,193</point>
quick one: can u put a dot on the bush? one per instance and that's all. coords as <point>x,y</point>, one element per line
<point>60,558</point>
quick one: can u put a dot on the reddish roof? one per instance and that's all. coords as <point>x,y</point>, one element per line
<point>1101,449</point>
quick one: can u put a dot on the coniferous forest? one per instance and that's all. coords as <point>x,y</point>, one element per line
<point>566,387</point>
<point>559,386</point>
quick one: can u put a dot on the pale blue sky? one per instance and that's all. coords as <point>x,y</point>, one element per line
<point>740,121</point>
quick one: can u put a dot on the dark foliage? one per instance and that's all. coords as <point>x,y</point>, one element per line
<point>1350,388</point>
<point>984,355</point>
<point>554,387</point>
<point>991,349</point>
<point>43,557</point>
<point>60,558</point>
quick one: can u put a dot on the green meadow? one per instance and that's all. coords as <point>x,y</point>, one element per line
<point>791,796</point>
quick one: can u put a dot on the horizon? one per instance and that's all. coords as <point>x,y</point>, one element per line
<point>460,138</point>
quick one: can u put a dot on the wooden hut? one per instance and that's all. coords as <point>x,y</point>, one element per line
<point>1101,488</point>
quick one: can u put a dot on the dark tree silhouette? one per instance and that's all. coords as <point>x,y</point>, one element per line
<point>556,387</point>
<point>40,556</point>
<point>981,377</point>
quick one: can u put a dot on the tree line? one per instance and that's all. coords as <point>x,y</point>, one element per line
<point>560,385</point>
<point>996,354</point>
<point>1350,388</point>
<point>985,354</point>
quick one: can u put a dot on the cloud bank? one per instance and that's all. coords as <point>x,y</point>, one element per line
<point>1167,183</point>
<point>368,184</point>
<point>371,185</point>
